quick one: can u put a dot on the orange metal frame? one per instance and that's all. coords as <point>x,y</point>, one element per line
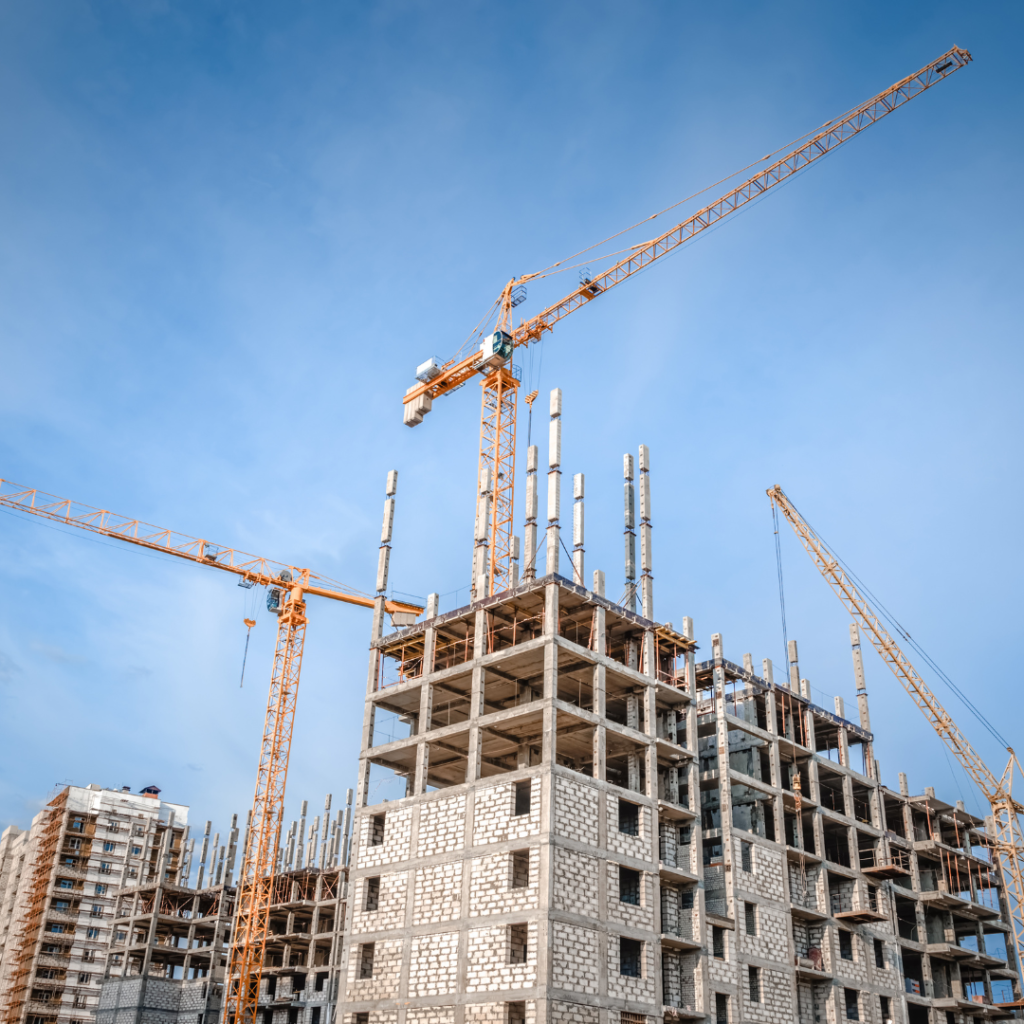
<point>1009,841</point>
<point>249,933</point>
<point>459,370</point>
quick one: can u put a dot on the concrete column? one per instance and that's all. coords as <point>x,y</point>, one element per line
<point>722,743</point>
<point>862,701</point>
<point>630,535</point>
<point>300,849</point>
<point>650,725</point>
<point>597,644</point>
<point>646,577</point>
<point>794,667</point>
<point>202,855</point>
<point>530,530</point>
<point>482,537</point>
<point>423,718</point>
<point>554,481</point>
<point>551,616</point>
<point>476,696</point>
<point>577,530</point>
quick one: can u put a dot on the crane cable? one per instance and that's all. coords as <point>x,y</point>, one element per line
<point>895,625</point>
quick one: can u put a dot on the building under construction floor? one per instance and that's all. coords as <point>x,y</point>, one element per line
<point>599,827</point>
<point>169,952</point>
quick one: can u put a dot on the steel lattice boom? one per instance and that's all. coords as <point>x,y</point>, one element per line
<point>441,380</point>
<point>1009,839</point>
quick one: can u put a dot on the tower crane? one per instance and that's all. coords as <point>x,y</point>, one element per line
<point>489,350</point>
<point>289,587</point>
<point>1008,841</point>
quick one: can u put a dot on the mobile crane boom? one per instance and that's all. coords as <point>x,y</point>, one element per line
<point>493,357</point>
<point>998,790</point>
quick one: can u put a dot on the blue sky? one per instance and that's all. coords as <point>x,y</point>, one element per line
<point>231,231</point>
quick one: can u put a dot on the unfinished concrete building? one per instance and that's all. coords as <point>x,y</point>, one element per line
<point>60,882</point>
<point>168,957</point>
<point>598,828</point>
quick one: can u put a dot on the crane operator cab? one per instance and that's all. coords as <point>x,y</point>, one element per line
<point>495,350</point>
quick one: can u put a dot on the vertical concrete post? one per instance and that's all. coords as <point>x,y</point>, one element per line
<point>646,577</point>
<point>376,632</point>
<point>514,581</point>
<point>630,535</point>
<point>767,672</point>
<point>577,529</point>
<point>481,536</point>
<point>232,849</point>
<point>423,719</point>
<point>862,701</point>
<point>597,644</point>
<point>202,855</point>
<point>300,854</point>
<point>554,481</point>
<point>530,529</point>
<point>346,837</point>
<point>722,744</point>
<point>794,667</point>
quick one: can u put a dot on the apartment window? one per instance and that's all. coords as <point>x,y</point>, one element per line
<point>750,917</point>
<point>515,1013</point>
<point>377,830</point>
<point>880,954</point>
<point>136,851</point>
<point>721,1008</point>
<point>97,910</point>
<point>315,1017</point>
<point>366,960</point>
<point>104,867</point>
<point>83,978</point>
<point>321,980</point>
<point>94,933</point>
<point>718,942</point>
<point>745,858</point>
<point>873,898</point>
<point>885,1004</point>
<point>113,826</point>
<point>630,951</point>
<point>299,983</point>
<point>57,929</point>
<point>62,905</point>
<point>629,818</point>
<point>109,847</point>
<point>754,984</point>
<point>101,889</point>
<point>852,1010</point>
<point>272,986</point>
<point>522,798</point>
<point>49,947</point>
<point>517,943</point>
<point>686,899</point>
<point>372,894</point>
<point>845,945</point>
<point>89,955</point>
<point>629,886</point>
<point>139,830</point>
<point>520,869</point>
<point>65,883</point>
<point>361,1018</point>
<point>74,843</point>
<point>120,936</point>
<point>293,1015</point>
<point>78,824</point>
<point>268,1017</point>
<point>133,873</point>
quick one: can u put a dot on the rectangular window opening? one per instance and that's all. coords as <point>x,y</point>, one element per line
<point>879,954</point>
<point>754,983</point>
<point>321,980</point>
<point>315,1017</point>
<point>630,952</point>
<point>717,942</point>
<point>377,830</point>
<point>522,805</point>
<point>745,858</point>
<point>629,818</point>
<point>372,894</point>
<point>721,1008</point>
<point>845,945</point>
<point>750,917</point>
<point>517,941</point>
<point>366,960</point>
<point>852,1008</point>
<point>515,1013</point>
<point>885,1005</point>
<point>629,886</point>
<point>520,869</point>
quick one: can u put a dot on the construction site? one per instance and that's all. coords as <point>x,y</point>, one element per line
<point>595,815</point>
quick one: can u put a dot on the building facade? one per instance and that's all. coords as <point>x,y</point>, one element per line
<point>61,880</point>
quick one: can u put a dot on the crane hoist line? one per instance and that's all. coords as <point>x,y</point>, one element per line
<point>492,357</point>
<point>288,587</point>
<point>1008,841</point>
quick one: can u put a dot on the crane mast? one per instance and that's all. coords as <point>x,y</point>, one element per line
<point>1008,841</point>
<point>289,587</point>
<point>493,358</point>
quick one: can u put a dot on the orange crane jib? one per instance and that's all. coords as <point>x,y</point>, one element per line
<point>492,358</point>
<point>291,585</point>
<point>1008,842</point>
